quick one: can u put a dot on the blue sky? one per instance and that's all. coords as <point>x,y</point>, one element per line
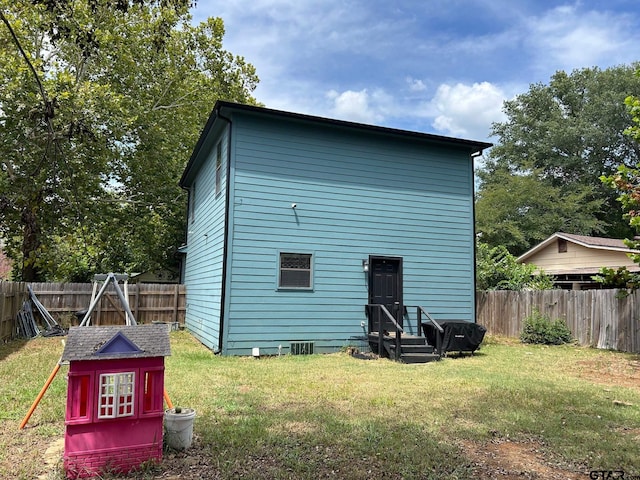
<point>434,66</point>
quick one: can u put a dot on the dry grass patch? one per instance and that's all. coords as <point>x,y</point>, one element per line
<point>508,410</point>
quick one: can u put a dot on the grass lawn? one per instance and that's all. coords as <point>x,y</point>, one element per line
<point>509,411</point>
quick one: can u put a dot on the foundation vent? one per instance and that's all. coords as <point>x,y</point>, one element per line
<point>301,348</point>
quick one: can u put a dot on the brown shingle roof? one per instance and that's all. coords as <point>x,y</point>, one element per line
<point>588,242</point>
<point>83,342</point>
<point>595,241</point>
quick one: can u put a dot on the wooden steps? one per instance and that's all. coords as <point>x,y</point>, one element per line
<point>413,348</point>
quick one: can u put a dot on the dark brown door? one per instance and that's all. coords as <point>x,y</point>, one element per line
<point>385,288</point>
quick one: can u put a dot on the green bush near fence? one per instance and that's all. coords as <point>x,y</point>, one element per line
<point>540,328</point>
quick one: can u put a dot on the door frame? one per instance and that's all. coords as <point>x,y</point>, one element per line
<point>399,316</point>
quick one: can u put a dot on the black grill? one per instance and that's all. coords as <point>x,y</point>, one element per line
<point>458,336</point>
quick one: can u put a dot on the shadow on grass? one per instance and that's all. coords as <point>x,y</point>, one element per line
<point>290,446</point>
<point>10,347</point>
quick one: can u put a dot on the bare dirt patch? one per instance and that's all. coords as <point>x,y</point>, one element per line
<point>503,459</point>
<point>612,371</point>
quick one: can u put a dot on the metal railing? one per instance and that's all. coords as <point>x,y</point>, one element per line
<point>420,311</point>
<point>398,329</point>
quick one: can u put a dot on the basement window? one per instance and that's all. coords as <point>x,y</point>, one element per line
<point>295,271</point>
<point>116,395</point>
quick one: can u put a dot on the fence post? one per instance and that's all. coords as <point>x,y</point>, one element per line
<point>176,299</point>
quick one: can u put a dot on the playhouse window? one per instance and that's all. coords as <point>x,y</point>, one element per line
<point>117,391</point>
<point>152,391</point>
<point>295,270</point>
<point>78,402</point>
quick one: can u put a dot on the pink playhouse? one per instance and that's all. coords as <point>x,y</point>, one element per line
<point>115,397</point>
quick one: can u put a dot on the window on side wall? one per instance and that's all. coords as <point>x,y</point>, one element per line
<point>218,168</point>
<point>192,203</point>
<point>295,271</point>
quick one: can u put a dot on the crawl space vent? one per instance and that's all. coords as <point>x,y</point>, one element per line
<point>301,348</point>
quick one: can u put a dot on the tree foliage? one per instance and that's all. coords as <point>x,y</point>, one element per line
<point>625,182</point>
<point>101,102</point>
<point>558,139</point>
<point>497,269</point>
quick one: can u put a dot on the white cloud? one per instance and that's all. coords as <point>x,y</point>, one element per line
<point>360,106</point>
<point>381,63</point>
<point>568,38</point>
<point>416,85</point>
<point>467,110</point>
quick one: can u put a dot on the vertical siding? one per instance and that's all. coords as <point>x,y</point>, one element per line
<point>357,194</point>
<point>205,247</point>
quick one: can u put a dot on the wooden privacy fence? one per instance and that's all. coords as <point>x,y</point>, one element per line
<point>149,303</point>
<point>596,318</point>
<point>12,294</point>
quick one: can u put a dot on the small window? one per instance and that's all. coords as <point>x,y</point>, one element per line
<point>116,396</point>
<point>562,245</point>
<point>192,203</point>
<point>295,270</point>
<point>218,168</point>
<point>78,402</point>
<point>152,391</point>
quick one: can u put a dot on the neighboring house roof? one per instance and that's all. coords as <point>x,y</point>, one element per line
<point>117,341</point>
<point>600,243</point>
<point>222,108</point>
<point>155,276</point>
<point>589,254</point>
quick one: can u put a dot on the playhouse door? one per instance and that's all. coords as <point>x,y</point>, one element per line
<point>385,288</point>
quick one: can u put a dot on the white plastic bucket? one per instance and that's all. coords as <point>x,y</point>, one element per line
<point>178,428</point>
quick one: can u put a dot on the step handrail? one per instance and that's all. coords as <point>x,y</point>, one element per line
<point>430,318</point>
<point>440,333</point>
<point>398,329</point>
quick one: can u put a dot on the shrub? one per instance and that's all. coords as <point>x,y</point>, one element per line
<point>539,328</point>
<point>497,269</point>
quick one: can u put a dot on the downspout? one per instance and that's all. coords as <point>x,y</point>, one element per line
<point>225,246</point>
<point>472,157</point>
<point>186,235</point>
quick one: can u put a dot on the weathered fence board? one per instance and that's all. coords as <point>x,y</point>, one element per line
<point>596,318</point>
<point>149,303</point>
<point>12,294</point>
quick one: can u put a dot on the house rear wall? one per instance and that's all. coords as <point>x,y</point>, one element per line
<point>357,194</point>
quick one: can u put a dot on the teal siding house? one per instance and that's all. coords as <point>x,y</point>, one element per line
<point>298,224</point>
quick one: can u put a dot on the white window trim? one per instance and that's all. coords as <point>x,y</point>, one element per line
<point>311,270</point>
<point>123,385</point>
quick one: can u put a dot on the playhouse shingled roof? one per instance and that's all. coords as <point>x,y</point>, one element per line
<point>85,343</point>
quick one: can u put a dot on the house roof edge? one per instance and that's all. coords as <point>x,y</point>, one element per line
<point>473,145</point>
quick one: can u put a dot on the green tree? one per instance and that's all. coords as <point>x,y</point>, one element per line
<point>101,102</point>
<point>625,181</point>
<point>558,139</point>
<point>497,269</point>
